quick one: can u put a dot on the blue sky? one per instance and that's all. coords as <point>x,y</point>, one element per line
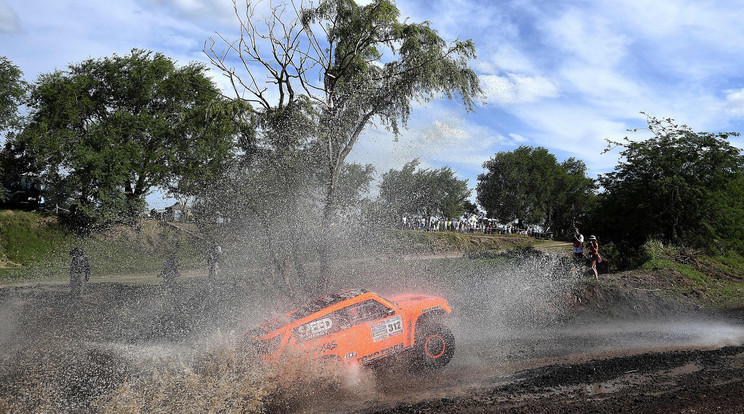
<point>563,75</point>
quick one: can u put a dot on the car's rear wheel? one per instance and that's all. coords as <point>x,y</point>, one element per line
<point>434,345</point>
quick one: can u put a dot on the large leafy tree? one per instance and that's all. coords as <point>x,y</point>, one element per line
<point>352,65</point>
<point>109,130</point>
<point>518,184</point>
<point>13,90</point>
<point>424,192</point>
<point>678,186</point>
<point>529,185</point>
<point>573,199</point>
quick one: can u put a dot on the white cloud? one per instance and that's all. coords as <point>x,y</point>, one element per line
<point>518,138</point>
<point>735,102</point>
<point>513,88</point>
<point>9,22</point>
<point>511,59</point>
<point>221,11</point>
<point>587,37</point>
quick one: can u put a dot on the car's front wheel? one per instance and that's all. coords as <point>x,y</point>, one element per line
<point>434,345</point>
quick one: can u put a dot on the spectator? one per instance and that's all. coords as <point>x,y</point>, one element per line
<point>79,271</point>
<point>578,246</point>
<point>170,270</point>
<point>215,251</point>
<point>593,247</point>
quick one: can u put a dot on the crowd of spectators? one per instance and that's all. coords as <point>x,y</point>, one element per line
<point>472,224</point>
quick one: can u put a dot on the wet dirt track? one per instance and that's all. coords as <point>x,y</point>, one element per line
<point>690,363</point>
<point>660,382</point>
<point>651,366</point>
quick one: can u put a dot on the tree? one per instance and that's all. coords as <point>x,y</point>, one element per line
<point>424,192</point>
<point>529,185</point>
<point>13,90</point>
<point>678,186</point>
<point>574,197</point>
<point>352,65</point>
<point>109,130</point>
<point>518,184</point>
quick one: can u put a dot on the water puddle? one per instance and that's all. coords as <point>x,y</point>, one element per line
<point>603,387</point>
<point>686,369</point>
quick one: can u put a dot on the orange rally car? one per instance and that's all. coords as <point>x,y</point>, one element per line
<point>361,327</point>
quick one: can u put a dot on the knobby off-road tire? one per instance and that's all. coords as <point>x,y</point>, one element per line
<point>434,345</point>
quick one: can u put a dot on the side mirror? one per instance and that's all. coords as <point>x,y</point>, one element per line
<point>390,312</point>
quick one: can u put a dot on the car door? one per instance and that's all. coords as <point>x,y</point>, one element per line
<point>378,330</point>
<point>322,336</point>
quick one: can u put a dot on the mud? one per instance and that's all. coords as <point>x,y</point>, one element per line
<point>658,382</point>
<point>527,342</point>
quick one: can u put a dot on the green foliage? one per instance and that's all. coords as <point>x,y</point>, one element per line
<point>419,66</point>
<point>354,183</point>
<point>413,191</point>
<point>109,130</point>
<point>573,197</point>
<point>12,92</point>
<point>529,185</point>
<point>35,246</point>
<point>27,239</point>
<point>678,187</point>
<point>658,255</point>
<point>732,263</point>
<point>336,67</point>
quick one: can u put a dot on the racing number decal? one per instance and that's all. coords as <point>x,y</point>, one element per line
<point>395,326</point>
<point>387,328</point>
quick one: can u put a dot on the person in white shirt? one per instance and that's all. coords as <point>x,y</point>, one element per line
<point>578,246</point>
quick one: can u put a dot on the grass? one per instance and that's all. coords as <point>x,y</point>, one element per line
<point>443,241</point>
<point>717,280</point>
<point>34,246</point>
<point>686,270</point>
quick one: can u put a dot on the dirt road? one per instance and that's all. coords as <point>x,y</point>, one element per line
<point>524,344</point>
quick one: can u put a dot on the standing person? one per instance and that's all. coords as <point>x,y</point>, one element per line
<point>170,270</point>
<point>79,271</point>
<point>578,246</point>
<point>593,247</point>
<point>213,259</point>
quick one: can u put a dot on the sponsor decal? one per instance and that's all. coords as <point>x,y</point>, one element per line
<point>431,309</point>
<point>314,329</point>
<point>325,348</point>
<point>381,354</point>
<point>387,328</point>
<point>350,355</point>
<point>328,346</point>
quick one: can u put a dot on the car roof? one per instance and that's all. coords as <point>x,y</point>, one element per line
<point>324,302</point>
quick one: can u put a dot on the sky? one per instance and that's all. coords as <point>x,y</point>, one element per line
<point>564,75</point>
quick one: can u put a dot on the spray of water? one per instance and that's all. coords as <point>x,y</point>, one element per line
<point>145,348</point>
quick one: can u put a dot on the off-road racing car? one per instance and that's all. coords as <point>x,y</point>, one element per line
<point>361,327</point>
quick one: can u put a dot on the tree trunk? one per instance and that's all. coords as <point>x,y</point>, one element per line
<point>299,262</point>
<point>324,247</point>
